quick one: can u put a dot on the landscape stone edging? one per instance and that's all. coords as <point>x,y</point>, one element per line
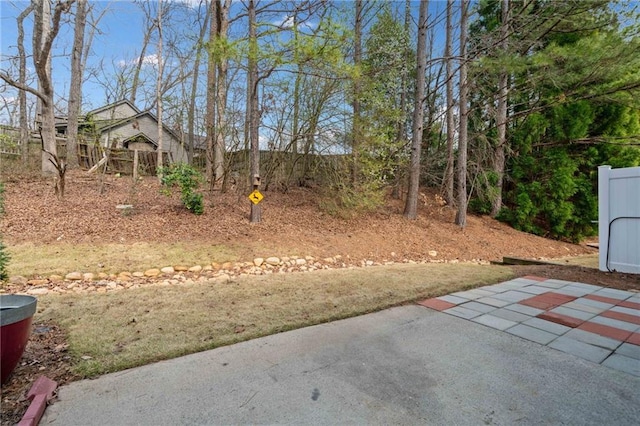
<point>216,273</point>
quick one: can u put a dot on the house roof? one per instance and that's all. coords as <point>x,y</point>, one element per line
<point>113,105</point>
<point>137,137</point>
<point>105,125</point>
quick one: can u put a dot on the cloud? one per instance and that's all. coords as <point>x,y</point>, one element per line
<point>147,60</point>
<point>287,22</point>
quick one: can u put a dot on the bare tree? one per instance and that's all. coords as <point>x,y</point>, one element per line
<point>449,171</point>
<point>217,90</point>
<point>45,29</point>
<point>22,79</point>
<point>159,90</point>
<point>461,216</point>
<point>140,60</point>
<point>191,119</point>
<point>254,118</point>
<point>75,89</point>
<point>411,205</point>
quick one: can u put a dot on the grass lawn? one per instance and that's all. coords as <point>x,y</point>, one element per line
<point>118,330</point>
<point>47,259</point>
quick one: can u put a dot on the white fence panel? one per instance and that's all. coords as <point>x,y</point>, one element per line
<point>619,219</point>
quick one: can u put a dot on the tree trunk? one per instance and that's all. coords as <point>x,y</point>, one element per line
<point>411,205</point>
<point>501,115</point>
<point>42,62</point>
<point>22,94</point>
<point>212,72</point>
<point>46,27</point>
<point>221,95</point>
<point>357,119</point>
<point>75,90</point>
<point>159,92</point>
<point>449,171</point>
<point>254,119</point>
<point>139,63</point>
<point>461,216</point>
<point>191,113</point>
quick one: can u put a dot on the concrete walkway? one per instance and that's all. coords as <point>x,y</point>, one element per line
<point>598,324</point>
<point>406,365</point>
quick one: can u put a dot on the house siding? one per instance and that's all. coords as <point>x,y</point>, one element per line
<point>118,112</point>
<point>149,126</point>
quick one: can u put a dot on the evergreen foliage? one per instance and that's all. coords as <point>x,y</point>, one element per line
<point>572,109</point>
<point>188,179</point>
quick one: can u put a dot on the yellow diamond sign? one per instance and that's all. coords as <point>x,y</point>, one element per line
<point>256,197</point>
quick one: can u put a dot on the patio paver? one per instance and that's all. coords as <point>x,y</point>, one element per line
<point>597,324</point>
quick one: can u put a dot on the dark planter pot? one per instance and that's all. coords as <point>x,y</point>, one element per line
<point>16,313</point>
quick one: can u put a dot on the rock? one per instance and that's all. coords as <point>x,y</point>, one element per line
<point>18,280</point>
<point>38,291</point>
<point>310,258</point>
<point>227,265</point>
<point>112,285</point>
<point>138,274</point>
<point>274,261</point>
<point>102,275</point>
<point>258,261</point>
<point>301,262</point>
<point>37,282</point>
<point>180,268</point>
<point>125,274</point>
<point>153,272</point>
<point>369,263</point>
<point>56,278</point>
<point>74,276</point>
<point>222,279</point>
<point>88,276</point>
<point>433,253</point>
<point>72,285</point>
<point>329,260</point>
<point>123,278</point>
<point>168,270</point>
<point>196,268</point>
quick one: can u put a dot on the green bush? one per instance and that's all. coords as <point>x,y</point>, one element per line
<point>346,202</point>
<point>188,180</point>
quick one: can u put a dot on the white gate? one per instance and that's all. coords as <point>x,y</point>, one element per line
<point>619,219</point>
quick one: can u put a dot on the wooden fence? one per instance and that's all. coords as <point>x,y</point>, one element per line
<point>8,138</point>
<point>92,156</point>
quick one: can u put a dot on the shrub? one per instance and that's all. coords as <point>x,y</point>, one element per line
<point>188,180</point>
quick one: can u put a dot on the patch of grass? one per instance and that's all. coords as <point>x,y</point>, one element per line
<point>30,259</point>
<point>590,261</point>
<point>130,328</point>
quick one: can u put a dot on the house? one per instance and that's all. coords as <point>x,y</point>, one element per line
<point>122,125</point>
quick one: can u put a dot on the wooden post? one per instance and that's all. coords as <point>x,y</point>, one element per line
<point>135,165</point>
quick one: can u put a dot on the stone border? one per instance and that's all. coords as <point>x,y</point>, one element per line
<point>217,273</point>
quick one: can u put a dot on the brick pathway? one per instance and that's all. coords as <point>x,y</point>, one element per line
<point>595,323</point>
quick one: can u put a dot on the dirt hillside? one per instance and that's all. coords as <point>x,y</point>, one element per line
<point>292,224</point>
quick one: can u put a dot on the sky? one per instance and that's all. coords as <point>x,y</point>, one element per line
<point>118,41</point>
